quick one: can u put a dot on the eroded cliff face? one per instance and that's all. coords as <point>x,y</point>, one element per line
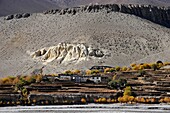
<point>159,15</point>
<point>67,53</point>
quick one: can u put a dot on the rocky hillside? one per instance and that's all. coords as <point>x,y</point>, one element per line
<point>123,39</point>
<point>67,53</point>
<point>22,6</point>
<point>159,15</point>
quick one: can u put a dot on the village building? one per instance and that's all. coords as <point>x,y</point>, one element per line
<point>80,78</point>
<point>65,76</point>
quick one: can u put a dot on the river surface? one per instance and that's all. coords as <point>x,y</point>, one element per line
<point>90,108</point>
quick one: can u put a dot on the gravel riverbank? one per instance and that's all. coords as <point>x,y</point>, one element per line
<point>90,108</point>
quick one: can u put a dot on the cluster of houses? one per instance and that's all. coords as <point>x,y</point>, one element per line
<point>79,78</point>
<point>76,78</point>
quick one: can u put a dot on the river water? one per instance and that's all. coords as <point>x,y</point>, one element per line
<point>90,108</point>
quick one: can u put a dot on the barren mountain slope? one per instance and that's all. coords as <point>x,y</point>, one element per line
<point>22,6</point>
<point>122,38</point>
<point>19,6</point>
<point>85,2</point>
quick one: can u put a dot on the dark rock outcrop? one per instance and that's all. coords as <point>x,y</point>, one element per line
<point>159,15</point>
<point>18,16</point>
<point>9,17</point>
<point>25,15</point>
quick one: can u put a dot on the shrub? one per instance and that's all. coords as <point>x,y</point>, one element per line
<point>135,67</point>
<point>142,100</point>
<point>109,100</point>
<point>16,80</point>
<point>106,70</point>
<point>24,92</point>
<point>122,83</point>
<point>95,71</point>
<point>128,69</point>
<point>124,68</point>
<point>131,98</point>
<point>141,67</point>
<point>132,65</point>
<point>117,68</point>
<point>7,80</point>
<point>109,70</point>
<point>142,72</point>
<point>159,65</point>
<point>161,100</point>
<point>146,66</point>
<point>114,100</point>
<point>83,100</point>
<point>103,100</point>
<point>21,83</point>
<point>88,72</point>
<point>113,84</point>
<point>76,71</point>
<point>38,78</point>
<point>117,84</point>
<point>120,99</point>
<point>30,79</point>
<point>114,77</point>
<point>159,62</point>
<point>167,99</point>
<point>11,77</point>
<point>153,100</point>
<point>4,80</point>
<point>166,63</point>
<point>34,101</point>
<point>68,72</point>
<point>127,91</point>
<point>126,99</point>
<point>154,67</point>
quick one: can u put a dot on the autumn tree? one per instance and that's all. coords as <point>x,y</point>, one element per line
<point>38,78</point>
<point>154,67</point>
<point>146,66</point>
<point>7,80</point>
<point>124,68</point>
<point>109,70</point>
<point>16,80</point>
<point>83,100</point>
<point>76,71</point>
<point>159,64</point>
<point>68,72</point>
<point>118,68</point>
<point>95,71</point>
<point>127,91</point>
<point>132,65</point>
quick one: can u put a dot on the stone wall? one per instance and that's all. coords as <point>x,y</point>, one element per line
<point>10,97</point>
<point>67,98</point>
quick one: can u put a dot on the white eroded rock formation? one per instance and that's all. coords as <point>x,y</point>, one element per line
<point>66,53</point>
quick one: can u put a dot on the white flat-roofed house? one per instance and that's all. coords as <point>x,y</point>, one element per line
<point>65,77</point>
<point>96,79</point>
<point>93,78</point>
